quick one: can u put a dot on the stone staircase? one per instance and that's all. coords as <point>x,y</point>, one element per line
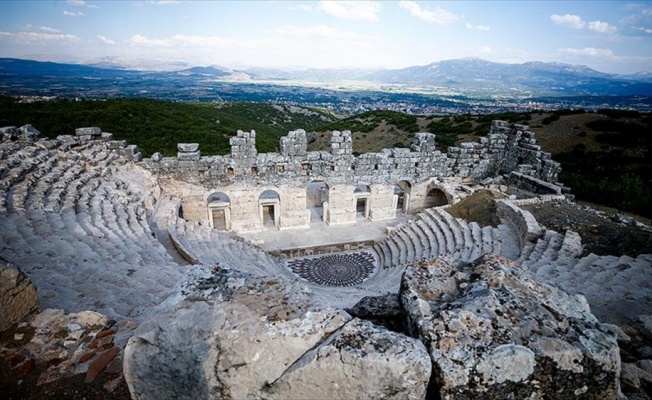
<point>433,233</point>
<point>617,288</point>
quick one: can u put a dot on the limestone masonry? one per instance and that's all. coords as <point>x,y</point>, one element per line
<point>418,172</point>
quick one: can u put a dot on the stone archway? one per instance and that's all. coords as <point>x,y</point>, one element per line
<point>269,204</point>
<point>317,200</point>
<point>219,211</point>
<point>402,193</point>
<point>362,194</point>
<point>436,197</point>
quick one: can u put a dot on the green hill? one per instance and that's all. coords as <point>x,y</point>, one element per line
<point>155,125</point>
<point>375,130</point>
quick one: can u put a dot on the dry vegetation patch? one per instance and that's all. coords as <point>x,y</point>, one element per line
<point>479,207</point>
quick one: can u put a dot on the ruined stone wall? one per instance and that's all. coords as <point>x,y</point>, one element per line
<point>244,174</point>
<point>522,221</point>
<point>502,151</point>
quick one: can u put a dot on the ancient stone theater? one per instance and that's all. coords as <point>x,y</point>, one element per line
<point>405,274</point>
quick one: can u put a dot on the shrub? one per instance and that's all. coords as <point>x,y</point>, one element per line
<point>550,119</point>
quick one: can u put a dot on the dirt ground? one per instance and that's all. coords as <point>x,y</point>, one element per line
<point>565,133</point>
<point>478,207</point>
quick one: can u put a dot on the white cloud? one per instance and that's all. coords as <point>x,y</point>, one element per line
<point>81,3</point>
<point>351,10</point>
<point>438,16</point>
<point>640,21</point>
<point>163,2</point>
<point>568,20</point>
<point>140,40</point>
<point>576,22</point>
<point>48,29</point>
<point>601,27</point>
<point>106,40</point>
<point>39,37</point>
<point>479,28</point>
<point>590,52</point>
<point>73,14</point>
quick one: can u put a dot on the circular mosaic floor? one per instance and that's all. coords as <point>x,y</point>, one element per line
<point>345,269</point>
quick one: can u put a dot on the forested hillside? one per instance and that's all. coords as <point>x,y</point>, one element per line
<point>155,125</point>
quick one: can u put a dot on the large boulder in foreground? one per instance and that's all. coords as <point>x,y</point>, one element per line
<point>18,297</point>
<point>494,333</point>
<point>228,335</point>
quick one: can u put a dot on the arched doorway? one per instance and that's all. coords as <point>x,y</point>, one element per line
<point>317,200</point>
<point>362,194</point>
<point>269,203</point>
<point>219,211</point>
<point>435,198</point>
<point>402,192</point>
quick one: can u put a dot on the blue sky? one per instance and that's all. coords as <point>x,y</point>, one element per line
<point>608,36</point>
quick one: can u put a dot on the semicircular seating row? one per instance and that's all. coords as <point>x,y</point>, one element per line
<point>617,288</point>
<point>435,233</point>
<point>79,231</point>
<point>200,244</point>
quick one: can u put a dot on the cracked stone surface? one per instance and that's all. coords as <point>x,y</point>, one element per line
<point>228,335</point>
<point>494,332</point>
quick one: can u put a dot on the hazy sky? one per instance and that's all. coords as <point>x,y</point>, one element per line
<point>608,36</point>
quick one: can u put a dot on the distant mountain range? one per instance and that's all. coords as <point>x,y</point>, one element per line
<point>472,75</point>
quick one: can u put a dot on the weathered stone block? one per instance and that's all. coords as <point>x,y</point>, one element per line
<point>67,138</point>
<point>116,144</point>
<point>187,147</point>
<point>9,130</point>
<point>292,349</point>
<point>93,131</point>
<point>28,132</point>
<point>18,296</point>
<point>189,156</point>
<point>492,331</point>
